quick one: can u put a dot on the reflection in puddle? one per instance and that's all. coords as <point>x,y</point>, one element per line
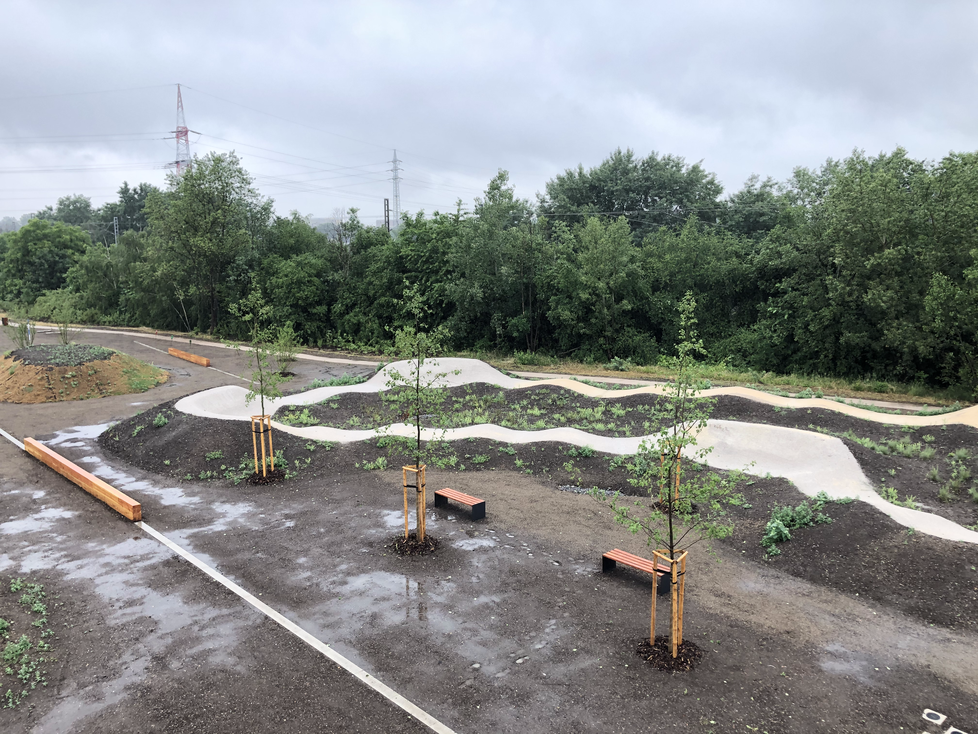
<point>395,519</point>
<point>37,521</point>
<point>75,433</point>
<point>474,543</point>
<point>130,485</point>
<point>846,662</point>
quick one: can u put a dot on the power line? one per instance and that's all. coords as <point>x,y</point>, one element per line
<point>79,94</point>
<point>152,165</point>
<point>330,132</point>
<point>291,155</point>
<point>285,119</point>
<point>72,138</point>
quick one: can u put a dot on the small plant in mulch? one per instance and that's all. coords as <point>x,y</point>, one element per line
<point>25,643</point>
<point>659,654</point>
<point>411,546</point>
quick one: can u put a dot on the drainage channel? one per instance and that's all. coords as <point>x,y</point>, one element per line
<point>348,665</point>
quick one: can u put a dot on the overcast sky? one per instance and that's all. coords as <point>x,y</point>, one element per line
<point>314,96</point>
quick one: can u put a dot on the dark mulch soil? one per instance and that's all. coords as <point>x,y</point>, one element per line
<point>269,477</point>
<point>411,546</point>
<point>61,355</point>
<point>530,408</point>
<point>862,552</point>
<point>659,654</point>
<point>545,406</point>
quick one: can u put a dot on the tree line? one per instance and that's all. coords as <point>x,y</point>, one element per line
<point>864,268</point>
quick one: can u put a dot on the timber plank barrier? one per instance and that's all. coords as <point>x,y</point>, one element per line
<point>202,361</point>
<point>121,503</point>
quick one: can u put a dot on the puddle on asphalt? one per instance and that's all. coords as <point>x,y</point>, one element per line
<point>395,518</point>
<point>130,485</point>
<point>36,521</point>
<point>474,543</point>
<point>841,661</point>
<point>383,599</point>
<point>78,433</point>
<point>81,437</point>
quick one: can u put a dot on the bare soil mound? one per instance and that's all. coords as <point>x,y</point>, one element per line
<point>52,373</point>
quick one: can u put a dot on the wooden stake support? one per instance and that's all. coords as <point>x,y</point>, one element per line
<point>678,595</point>
<point>260,425</point>
<point>419,487</point>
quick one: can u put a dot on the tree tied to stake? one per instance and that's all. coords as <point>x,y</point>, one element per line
<point>684,509</point>
<point>417,392</point>
<point>254,311</point>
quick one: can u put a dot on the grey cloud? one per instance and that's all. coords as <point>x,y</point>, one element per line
<point>462,89</point>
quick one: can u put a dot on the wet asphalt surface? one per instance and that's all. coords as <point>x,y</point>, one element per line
<point>509,628</point>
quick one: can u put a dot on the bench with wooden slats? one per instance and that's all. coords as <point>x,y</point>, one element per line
<point>478,506</point>
<point>612,558</point>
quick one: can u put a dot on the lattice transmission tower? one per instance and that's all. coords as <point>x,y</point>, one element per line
<point>182,134</point>
<point>397,191</point>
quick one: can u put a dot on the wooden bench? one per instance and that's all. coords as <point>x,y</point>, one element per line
<point>478,506</point>
<point>612,558</point>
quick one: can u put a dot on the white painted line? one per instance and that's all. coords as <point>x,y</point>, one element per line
<point>348,665</point>
<point>219,345</point>
<point>161,351</point>
<point>237,377</point>
<point>18,444</point>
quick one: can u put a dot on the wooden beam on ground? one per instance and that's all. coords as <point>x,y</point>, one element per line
<point>121,503</point>
<point>202,361</point>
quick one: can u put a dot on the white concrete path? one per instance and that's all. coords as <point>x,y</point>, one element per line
<point>812,461</point>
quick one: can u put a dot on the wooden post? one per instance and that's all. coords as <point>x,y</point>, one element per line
<point>254,442</point>
<point>655,592</point>
<point>271,451</point>
<point>677,568</point>
<point>419,487</point>
<point>422,504</point>
<point>682,593</point>
<point>264,423</point>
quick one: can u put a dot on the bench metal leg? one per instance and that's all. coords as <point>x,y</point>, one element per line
<point>441,501</point>
<point>663,584</point>
<point>479,511</point>
<point>608,564</point>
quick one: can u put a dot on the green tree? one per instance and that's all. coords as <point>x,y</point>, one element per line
<point>417,392</point>
<point>130,209</point>
<point>254,311</point>
<point>210,215</point>
<point>682,509</point>
<point>755,209</point>
<point>594,283</point>
<point>38,257</point>
<point>714,265</point>
<point>652,192</point>
<point>483,260</point>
